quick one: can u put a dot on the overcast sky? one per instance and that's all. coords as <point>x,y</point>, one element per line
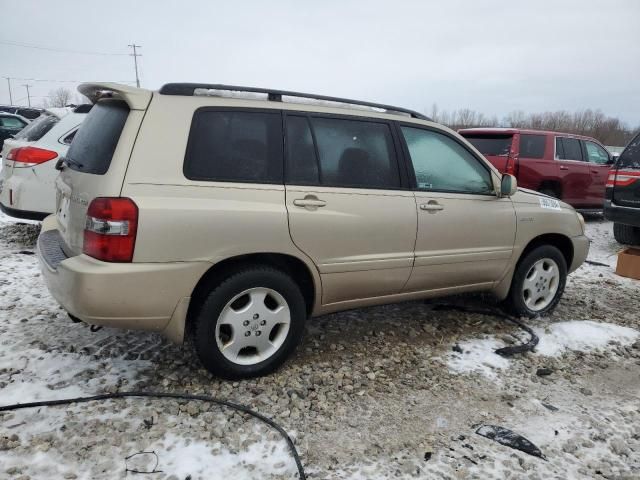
<point>490,56</point>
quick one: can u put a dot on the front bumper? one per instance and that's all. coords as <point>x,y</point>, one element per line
<point>135,296</point>
<point>624,215</point>
<point>580,252</point>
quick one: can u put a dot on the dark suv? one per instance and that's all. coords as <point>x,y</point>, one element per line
<point>622,198</point>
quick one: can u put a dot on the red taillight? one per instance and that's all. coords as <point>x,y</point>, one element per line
<point>622,178</point>
<point>30,156</point>
<point>110,229</point>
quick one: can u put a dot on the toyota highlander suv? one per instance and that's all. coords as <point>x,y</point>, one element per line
<point>570,167</point>
<point>234,214</point>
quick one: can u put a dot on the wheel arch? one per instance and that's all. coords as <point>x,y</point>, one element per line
<point>558,240</point>
<point>300,271</point>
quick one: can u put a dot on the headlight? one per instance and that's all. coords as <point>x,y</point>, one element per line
<point>581,220</point>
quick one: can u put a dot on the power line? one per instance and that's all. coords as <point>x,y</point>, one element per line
<point>62,81</point>
<point>62,50</point>
<point>135,56</point>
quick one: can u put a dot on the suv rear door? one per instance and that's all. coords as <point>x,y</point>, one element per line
<point>574,172</point>
<point>626,186</point>
<point>97,159</point>
<point>347,207</point>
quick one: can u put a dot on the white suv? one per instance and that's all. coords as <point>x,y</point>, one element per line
<point>27,179</point>
<point>237,218</point>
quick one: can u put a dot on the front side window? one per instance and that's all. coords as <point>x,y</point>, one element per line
<point>596,154</point>
<point>532,146</point>
<point>442,164</point>
<point>235,146</point>
<point>568,149</point>
<point>11,122</point>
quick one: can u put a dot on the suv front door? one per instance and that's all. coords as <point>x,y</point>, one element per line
<point>599,165</point>
<point>347,209</point>
<point>465,232</point>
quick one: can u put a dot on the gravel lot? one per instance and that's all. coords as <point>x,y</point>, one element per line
<point>373,393</point>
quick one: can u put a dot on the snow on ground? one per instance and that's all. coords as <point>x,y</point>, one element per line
<point>478,355</point>
<point>371,394</point>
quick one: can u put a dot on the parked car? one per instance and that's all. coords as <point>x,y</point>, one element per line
<point>27,188</point>
<point>237,218</point>
<point>10,124</point>
<point>569,167</point>
<point>622,203</point>
<point>26,112</point>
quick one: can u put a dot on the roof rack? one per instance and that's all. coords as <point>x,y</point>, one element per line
<point>188,89</point>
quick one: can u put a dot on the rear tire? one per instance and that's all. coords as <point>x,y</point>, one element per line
<point>250,323</point>
<point>538,282</point>
<point>626,234</point>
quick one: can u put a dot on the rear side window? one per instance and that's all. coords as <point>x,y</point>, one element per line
<point>532,146</point>
<point>38,128</point>
<point>568,149</point>
<point>235,146</point>
<point>302,164</point>
<point>355,153</point>
<point>630,157</point>
<point>494,145</point>
<point>69,138</point>
<point>96,139</point>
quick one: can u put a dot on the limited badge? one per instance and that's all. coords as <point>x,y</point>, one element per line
<point>549,203</point>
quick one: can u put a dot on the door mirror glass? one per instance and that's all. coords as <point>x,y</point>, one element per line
<point>508,185</point>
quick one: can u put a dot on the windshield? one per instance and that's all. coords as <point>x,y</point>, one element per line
<point>38,128</point>
<point>495,145</point>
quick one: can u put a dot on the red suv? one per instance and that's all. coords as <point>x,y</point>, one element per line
<point>570,167</point>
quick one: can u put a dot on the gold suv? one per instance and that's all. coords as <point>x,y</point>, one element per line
<point>236,213</point>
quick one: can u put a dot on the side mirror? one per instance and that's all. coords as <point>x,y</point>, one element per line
<point>612,159</point>
<point>508,185</point>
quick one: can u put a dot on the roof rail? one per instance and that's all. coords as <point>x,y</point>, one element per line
<point>188,89</point>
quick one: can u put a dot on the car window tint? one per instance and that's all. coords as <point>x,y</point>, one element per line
<point>442,164</point>
<point>355,153</point>
<point>302,164</point>
<point>596,154</point>
<point>69,138</point>
<point>97,138</point>
<point>38,128</point>
<point>11,122</point>
<point>532,146</point>
<point>494,145</point>
<point>630,156</point>
<point>235,146</point>
<point>570,149</point>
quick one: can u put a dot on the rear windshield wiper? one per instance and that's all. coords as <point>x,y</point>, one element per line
<point>69,161</point>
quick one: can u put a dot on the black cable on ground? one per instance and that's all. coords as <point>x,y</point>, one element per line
<point>505,351</point>
<point>179,396</point>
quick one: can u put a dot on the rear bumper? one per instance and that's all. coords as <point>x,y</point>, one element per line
<point>135,296</point>
<point>580,252</point>
<point>624,215</point>
<point>25,214</point>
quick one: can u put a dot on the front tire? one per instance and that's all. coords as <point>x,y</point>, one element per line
<point>538,282</point>
<point>250,323</point>
<point>626,234</point>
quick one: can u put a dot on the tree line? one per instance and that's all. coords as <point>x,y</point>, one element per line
<point>592,123</point>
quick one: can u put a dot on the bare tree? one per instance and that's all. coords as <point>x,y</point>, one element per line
<point>60,97</point>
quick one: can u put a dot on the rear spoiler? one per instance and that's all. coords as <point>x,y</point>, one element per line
<point>136,98</point>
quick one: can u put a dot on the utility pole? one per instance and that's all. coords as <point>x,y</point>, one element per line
<point>10,96</point>
<point>135,56</point>
<point>28,95</point>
